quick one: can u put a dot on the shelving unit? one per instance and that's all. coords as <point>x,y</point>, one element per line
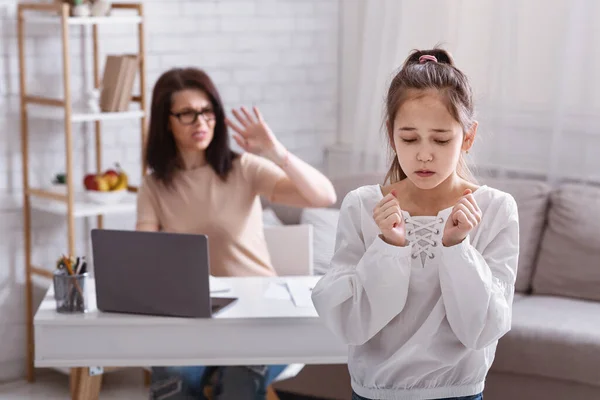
<point>80,115</point>
<point>81,206</point>
<point>69,199</point>
<point>72,21</point>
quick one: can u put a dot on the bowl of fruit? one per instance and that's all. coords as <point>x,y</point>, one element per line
<point>108,187</point>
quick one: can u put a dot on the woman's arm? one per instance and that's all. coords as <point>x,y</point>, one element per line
<point>303,185</point>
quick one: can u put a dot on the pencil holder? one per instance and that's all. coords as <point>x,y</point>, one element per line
<point>69,292</point>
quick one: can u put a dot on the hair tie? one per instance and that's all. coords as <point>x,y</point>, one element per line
<point>426,57</point>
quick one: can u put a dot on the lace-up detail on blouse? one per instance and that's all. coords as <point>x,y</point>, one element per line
<point>422,236</point>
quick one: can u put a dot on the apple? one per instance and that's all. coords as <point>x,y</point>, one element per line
<point>112,177</point>
<point>102,183</point>
<point>89,182</point>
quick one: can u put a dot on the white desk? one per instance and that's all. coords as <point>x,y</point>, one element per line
<point>255,330</point>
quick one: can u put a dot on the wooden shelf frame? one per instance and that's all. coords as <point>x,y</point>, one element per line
<point>81,380</point>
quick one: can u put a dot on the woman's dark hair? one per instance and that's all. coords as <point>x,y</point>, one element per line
<point>161,151</point>
<point>425,70</point>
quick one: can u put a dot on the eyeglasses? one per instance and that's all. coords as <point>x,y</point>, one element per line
<point>189,117</point>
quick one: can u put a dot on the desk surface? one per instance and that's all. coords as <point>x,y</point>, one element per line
<point>255,330</point>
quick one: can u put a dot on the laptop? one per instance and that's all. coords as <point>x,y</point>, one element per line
<point>154,273</point>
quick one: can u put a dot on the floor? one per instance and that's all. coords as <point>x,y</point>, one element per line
<point>52,385</point>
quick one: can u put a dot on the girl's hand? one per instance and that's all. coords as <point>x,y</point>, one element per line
<point>388,217</point>
<point>255,136</point>
<point>465,216</point>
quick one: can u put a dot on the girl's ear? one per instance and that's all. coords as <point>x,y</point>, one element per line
<point>469,137</point>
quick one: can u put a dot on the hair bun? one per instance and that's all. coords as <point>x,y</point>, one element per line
<point>442,56</point>
<point>426,57</point>
<point>438,55</point>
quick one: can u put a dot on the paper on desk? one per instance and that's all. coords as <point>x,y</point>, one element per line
<point>277,290</point>
<point>301,293</point>
<point>298,292</point>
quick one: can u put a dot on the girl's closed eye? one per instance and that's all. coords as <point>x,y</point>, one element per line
<point>438,141</point>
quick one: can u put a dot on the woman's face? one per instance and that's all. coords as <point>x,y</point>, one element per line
<point>192,119</point>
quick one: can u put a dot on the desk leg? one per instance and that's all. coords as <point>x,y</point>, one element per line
<point>74,373</point>
<point>147,378</point>
<point>84,386</point>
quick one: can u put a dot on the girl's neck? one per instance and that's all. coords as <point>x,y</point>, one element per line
<point>192,159</point>
<point>431,201</point>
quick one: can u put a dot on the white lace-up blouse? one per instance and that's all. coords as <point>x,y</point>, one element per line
<point>421,321</point>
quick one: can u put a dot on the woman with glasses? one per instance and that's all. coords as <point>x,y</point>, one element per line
<point>198,185</point>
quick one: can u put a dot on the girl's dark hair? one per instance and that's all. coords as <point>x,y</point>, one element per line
<point>440,75</point>
<point>161,151</point>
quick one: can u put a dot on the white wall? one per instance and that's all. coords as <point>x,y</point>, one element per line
<point>533,66</point>
<point>279,55</point>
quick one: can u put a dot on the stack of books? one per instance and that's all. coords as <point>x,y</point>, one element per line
<point>117,82</point>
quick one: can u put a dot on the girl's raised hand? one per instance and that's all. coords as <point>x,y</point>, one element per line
<point>388,217</point>
<point>465,216</point>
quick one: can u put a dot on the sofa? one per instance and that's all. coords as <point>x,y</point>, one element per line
<point>552,351</point>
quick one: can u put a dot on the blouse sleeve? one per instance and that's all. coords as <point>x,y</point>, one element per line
<point>261,173</point>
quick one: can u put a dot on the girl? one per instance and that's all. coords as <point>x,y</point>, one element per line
<point>199,186</point>
<point>421,284</point>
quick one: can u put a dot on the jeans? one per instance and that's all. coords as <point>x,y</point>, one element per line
<point>229,383</point>
<point>474,397</point>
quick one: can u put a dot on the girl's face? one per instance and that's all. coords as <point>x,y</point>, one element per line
<point>428,140</point>
<point>192,119</point>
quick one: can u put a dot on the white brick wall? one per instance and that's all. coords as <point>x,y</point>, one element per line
<point>279,55</point>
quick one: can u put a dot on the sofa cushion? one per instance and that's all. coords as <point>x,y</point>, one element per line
<point>287,214</point>
<point>569,259</point>
<point>552,337</point>
<point>270,218</point>
<point>344,185</point>
<point>519,296</point>
<point>532,202</point>
<point>324,222</point>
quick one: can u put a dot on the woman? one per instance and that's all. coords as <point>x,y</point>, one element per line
<point>199,185</point>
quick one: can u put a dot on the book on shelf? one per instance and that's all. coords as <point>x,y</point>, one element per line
<point>117,82</point>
